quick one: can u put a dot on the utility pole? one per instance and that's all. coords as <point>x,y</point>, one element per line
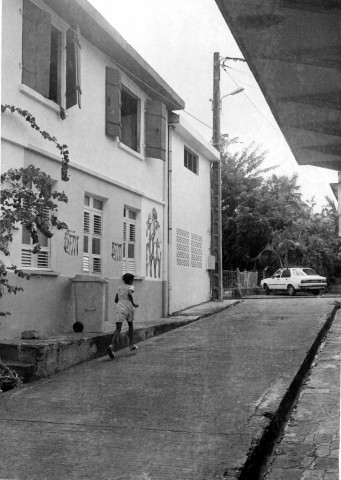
<point>216,224</point>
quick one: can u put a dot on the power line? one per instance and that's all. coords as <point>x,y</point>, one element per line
<point>239,71</point>
<point>235,59</point>
<point>259,111</point>
<point>198,119</point>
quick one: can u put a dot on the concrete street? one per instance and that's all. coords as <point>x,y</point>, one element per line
<point>188,405</point>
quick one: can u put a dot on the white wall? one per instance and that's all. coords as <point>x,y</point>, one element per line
<point>190,211</point>
<point>84,129</point>
<point>99,165</point>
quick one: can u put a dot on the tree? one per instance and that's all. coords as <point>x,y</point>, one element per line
<point>265,221</point>
<point>27,199</point>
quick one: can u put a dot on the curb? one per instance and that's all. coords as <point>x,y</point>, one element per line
<point>255,465</point>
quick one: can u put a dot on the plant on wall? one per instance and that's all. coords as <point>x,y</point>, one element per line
<point>28,200</point>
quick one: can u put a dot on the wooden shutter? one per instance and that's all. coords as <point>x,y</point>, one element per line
<point>156,129</point>
<point>73,87</point>
<point>36,48</point>
<point>113,102</point>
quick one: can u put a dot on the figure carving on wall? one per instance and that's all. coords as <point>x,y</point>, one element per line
<point>153,246</point>
<point>71,243</point>
<point>116,251</point>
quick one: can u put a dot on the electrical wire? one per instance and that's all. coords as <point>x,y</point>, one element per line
<point>239,71</point>
<point>259,111</point>
<point>198,119</point>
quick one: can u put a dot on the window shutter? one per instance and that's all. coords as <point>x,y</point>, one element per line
<point>36,48</point>
<point>97,225</point>
<point>156,129</point>
<point>26,258</point>
<point>73,87</point>
<point>113,103</point>
<point>87,222</point>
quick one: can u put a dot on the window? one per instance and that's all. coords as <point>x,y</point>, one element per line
<point>93,235</point>
<point>191,161</point>
<point>42,259</point>
<point>50,56</point>
<point>123,118</point>
<point>286,273</point>
<point>130,120</point>
<point>129,241</point>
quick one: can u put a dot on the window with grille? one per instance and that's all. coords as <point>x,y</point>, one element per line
<point>93,235</point>
<point>41,260</point>
<point>191,161</point>
<point>129,241</point>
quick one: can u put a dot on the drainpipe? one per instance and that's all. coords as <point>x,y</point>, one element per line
<point>170,221</point>
<point>339,200</point>
<point>166,254</point>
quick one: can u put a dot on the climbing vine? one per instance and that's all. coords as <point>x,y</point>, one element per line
<point>27,199</point>
<point>63,149</point>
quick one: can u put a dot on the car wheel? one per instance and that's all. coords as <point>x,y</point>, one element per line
<point>291,291</point>
<point>316,292</point>
<point>267,289</point>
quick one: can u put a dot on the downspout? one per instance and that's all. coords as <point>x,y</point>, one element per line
<point>166,254</point>
<point>170,221</point>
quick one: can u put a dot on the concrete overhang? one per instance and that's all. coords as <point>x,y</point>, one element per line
<point>194,139</point>
<point>95,29</point>
<point>335,188</point>
<point>293,48</point>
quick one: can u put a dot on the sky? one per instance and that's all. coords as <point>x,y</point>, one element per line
<point>178,40</point>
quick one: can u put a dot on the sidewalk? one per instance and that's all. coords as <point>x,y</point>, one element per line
<point>35,359</point>
<point>309,449</point>
<point>201,402</point>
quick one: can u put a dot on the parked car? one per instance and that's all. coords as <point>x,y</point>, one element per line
<point>295,279</point>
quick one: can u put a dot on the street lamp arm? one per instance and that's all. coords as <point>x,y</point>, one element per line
<point>238,90</point>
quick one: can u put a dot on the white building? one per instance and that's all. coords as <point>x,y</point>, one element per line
<point>139,189</point>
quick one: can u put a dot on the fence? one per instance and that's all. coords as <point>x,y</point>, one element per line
<point>239,282</point>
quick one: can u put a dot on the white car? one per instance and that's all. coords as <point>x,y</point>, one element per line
<point>294,279</point>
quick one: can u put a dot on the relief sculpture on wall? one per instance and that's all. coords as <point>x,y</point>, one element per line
<point>71,243</point>
<point>153,246</point>
<point>116,251</point>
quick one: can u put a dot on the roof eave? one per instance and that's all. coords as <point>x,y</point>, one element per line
<point>99,32</point>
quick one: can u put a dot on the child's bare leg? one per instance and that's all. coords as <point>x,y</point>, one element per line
<point>116,333</point>
<point>131,336</point>
<point>131,333</point>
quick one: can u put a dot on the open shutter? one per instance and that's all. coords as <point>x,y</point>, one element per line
<point>156,129</point>
<point>36,48</point>
<point>113,102</point>
<point>73,87</point>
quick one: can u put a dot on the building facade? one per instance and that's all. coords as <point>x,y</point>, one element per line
<point>84,85</point>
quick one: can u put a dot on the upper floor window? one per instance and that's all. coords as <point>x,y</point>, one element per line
<point>50,56</point>
<point>191,161</point>
<point>130,119</point>
<point>123,118</point>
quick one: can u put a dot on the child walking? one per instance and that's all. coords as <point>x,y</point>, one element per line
<point>124,311</point>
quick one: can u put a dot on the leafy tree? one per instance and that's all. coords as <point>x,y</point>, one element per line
<point>265,221</point>
<point>28,200</point>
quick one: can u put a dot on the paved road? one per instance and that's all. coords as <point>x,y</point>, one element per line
<point>188,405</point>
